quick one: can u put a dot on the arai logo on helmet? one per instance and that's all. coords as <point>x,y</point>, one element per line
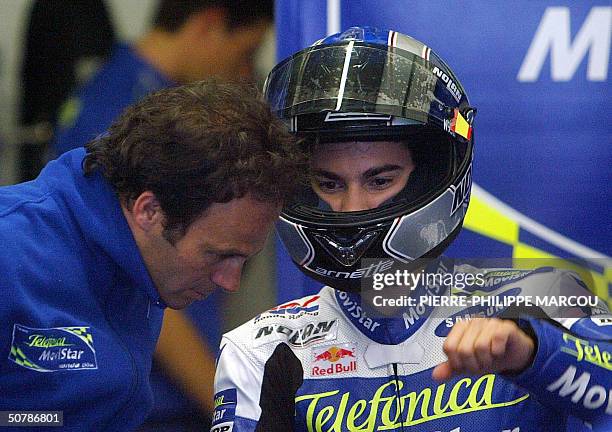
<point>450,84</point>
<point>368,271</point>
<point>461,192</point>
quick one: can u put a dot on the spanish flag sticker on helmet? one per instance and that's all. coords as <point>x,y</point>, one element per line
<point>460,126</point>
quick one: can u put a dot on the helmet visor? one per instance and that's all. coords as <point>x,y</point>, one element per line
<point>361,77</point>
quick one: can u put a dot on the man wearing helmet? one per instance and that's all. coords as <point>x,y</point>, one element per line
<point>390,131</point>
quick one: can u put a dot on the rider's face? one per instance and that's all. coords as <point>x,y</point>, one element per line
<point>353,176</point>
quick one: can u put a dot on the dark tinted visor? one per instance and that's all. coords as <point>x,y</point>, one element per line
<point>360,77</point>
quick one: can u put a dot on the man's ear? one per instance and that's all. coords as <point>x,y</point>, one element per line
<point>147,212</point>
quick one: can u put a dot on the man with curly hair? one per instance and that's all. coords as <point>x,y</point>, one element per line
<point>160,211</point>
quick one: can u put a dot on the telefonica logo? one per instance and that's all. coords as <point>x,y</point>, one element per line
<point>41,341</point>
<point>587,351</point>
<point>333,411</point>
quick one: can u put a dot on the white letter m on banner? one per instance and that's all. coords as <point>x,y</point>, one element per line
<point>553,34</point>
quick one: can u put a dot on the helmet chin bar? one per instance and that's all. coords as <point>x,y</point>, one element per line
<point>349,248</point>
<point>332,251</point>
<point>385,263</point>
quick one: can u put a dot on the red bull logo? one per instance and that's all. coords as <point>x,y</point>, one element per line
<point>334,354</point>
<point>334,360</point>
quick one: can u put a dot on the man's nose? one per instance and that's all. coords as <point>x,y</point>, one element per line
<point>227,275</point>
<point>354,200</point>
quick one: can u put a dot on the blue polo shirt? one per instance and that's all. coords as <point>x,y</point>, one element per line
<point>80,314</point>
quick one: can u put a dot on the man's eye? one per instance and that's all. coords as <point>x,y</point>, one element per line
<point>328,185</point>
<point>211,256</point>
<point>216,256</point>
<point>381,182</point>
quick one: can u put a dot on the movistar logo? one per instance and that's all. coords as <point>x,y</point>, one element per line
<point>220,401</point>
<point>40,341</point>
<point>331,411</point>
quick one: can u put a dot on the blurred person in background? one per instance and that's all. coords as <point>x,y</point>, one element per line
<point>190,40</point>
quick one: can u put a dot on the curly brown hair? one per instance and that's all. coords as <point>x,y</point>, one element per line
<point>195,145</point>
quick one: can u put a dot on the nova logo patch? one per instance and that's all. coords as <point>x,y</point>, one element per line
<point>333,360</point>
<point>53,349</point>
